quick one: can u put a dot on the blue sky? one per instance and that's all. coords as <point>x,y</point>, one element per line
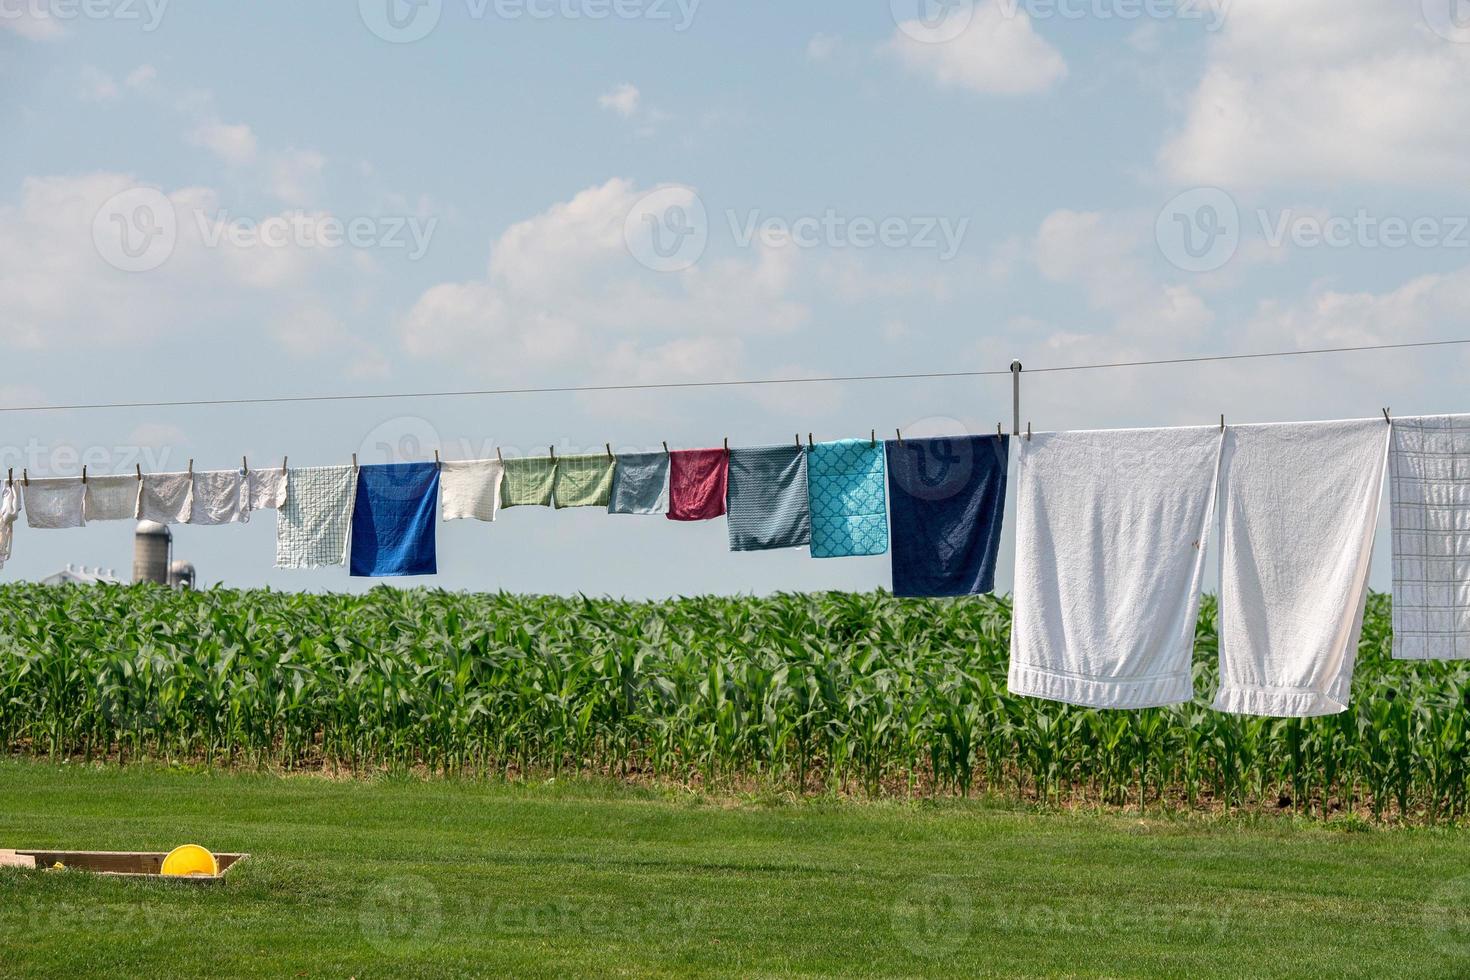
<point>1317,156</point>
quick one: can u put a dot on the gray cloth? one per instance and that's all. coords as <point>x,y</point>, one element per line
<point>640,484</point>
<point>766,501</point>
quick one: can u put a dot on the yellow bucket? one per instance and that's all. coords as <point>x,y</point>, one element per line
<point>190,860</point>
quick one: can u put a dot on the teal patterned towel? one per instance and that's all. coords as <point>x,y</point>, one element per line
<point>847,486</point>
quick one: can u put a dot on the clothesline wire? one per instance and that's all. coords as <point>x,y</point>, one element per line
<point>673,385</point>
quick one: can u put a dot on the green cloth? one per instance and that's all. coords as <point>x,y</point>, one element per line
<point>528,481</point>
<point>584,481</point>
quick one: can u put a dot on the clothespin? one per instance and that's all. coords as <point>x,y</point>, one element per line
<point>608,446</point>
<point>1386,418</point>
<point>10,476</point>
<point>798,440</point>
<point>666,448</point>
<point>84,475</point>
<point>138,467</point>
<point>191,467</point>
<point>998,431</point>
<point>497,454</point>
<point>1028,431</point>
<point>354,460</point>
<point>283,464</point>
<point>437,464</point>
<point>809,441</point>
<point>1222,423</point>
<point>727,445</point>
<point>899,433</point>
<point>244,466</point>
<point>25,477</point>
<point>873,437</point>
<point>553,454</point>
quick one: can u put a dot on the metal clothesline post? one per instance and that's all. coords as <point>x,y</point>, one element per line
<point>1015,398</point>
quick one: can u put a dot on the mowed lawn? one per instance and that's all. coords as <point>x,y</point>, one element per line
<point>410,878</point>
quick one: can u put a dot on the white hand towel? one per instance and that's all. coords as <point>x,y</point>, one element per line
<point>167,498</point>
<point>312,528</point>
<point>1110,550</point>
<point>267,489</point>
<point>1298,510</point>
<point>9,511</point>
<point>112,498</point>
<point>470,489</point>
<point>219,498</point>
<point>55,502</point>
<point>1429,480</point>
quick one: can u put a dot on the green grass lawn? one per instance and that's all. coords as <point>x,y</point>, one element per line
<point>429,878</point>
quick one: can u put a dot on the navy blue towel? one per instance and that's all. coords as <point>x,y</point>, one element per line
<point>947,500</point>
<point>393,520</point>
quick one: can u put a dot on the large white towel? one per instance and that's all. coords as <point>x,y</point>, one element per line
<point>1299,506</point>
<point>312,528</point>
<point>112,498</point>
<point>167,498</point>
<point>9,511</point>
<point>1429,480</point>
<point>220,497</point>
<point>1110,548</point>
<point>55,502</point>
<point>470,489</point>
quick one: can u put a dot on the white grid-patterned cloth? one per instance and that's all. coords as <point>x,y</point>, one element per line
<point>312,527</point>
<point>1429,480</point>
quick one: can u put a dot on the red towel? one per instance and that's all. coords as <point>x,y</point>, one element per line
<point>697,480</point>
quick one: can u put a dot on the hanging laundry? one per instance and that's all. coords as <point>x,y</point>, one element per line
<point>393,520</point>
<point>112,498</point>
<point>1429,485</point>
<point>528,481</point>
<point>55,502</point>
<point>167,498</point>
<point>848,503</point>
<point>311,529</point>
<point>697,483</point>
<point>584,481</point>
<point>1299,505</point>
<point>947,498</point>
<point>9,511</point>
<point>470,489</point>
<point>1111,529</point>
<point>266,489</point>
<point>767,498</point>
<point>640,484</point>
<point>220,497</point>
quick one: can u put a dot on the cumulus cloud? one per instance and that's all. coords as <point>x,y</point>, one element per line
<point>990,49</point>
<point>232,143</point>
<point>623,100</point>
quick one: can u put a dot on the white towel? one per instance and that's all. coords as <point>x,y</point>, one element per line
<point>1429,480</point>
<point>55,502</point>
<point>1298,510</point>
<point>167,498</point>
<point>9,511</point>
<point>312,528</point>
<point>112,498</point>
<point>1110,549</point>
<point>470,489</point>
<point>267,489</point>
<point>220,497</point>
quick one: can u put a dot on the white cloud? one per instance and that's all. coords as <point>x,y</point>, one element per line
<point>97,86</point>
<point>562,289</point>
<point>994,52</point>
<point>623,100</point>
<point>232,143</point>
<point>1317,90</point>
<point>292,175</point>
<point>141,77</point>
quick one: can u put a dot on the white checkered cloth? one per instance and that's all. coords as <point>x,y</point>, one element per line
<point>1429,482</point>
<point>312,527</point>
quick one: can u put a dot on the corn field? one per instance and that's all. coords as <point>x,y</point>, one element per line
<point>831,692</point>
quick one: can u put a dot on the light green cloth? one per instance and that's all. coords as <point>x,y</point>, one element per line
<point>528,481</point>
<point>584,481</point>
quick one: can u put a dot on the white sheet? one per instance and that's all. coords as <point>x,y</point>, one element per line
<point>1111,528</point>
<point>267,489</point>
<point>1299,506</point>
<point>167,498</point>
<point>9,511</point>
<point>470,489</point>
<point>112,498</point>
<point>55,502</point>
<point>220,497</point>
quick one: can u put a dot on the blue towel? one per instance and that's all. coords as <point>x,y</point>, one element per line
<point>947,501</point>
<point>393,520</point>
<point>846,490</point>
<point>766,500</point>
<point>640,484</point>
